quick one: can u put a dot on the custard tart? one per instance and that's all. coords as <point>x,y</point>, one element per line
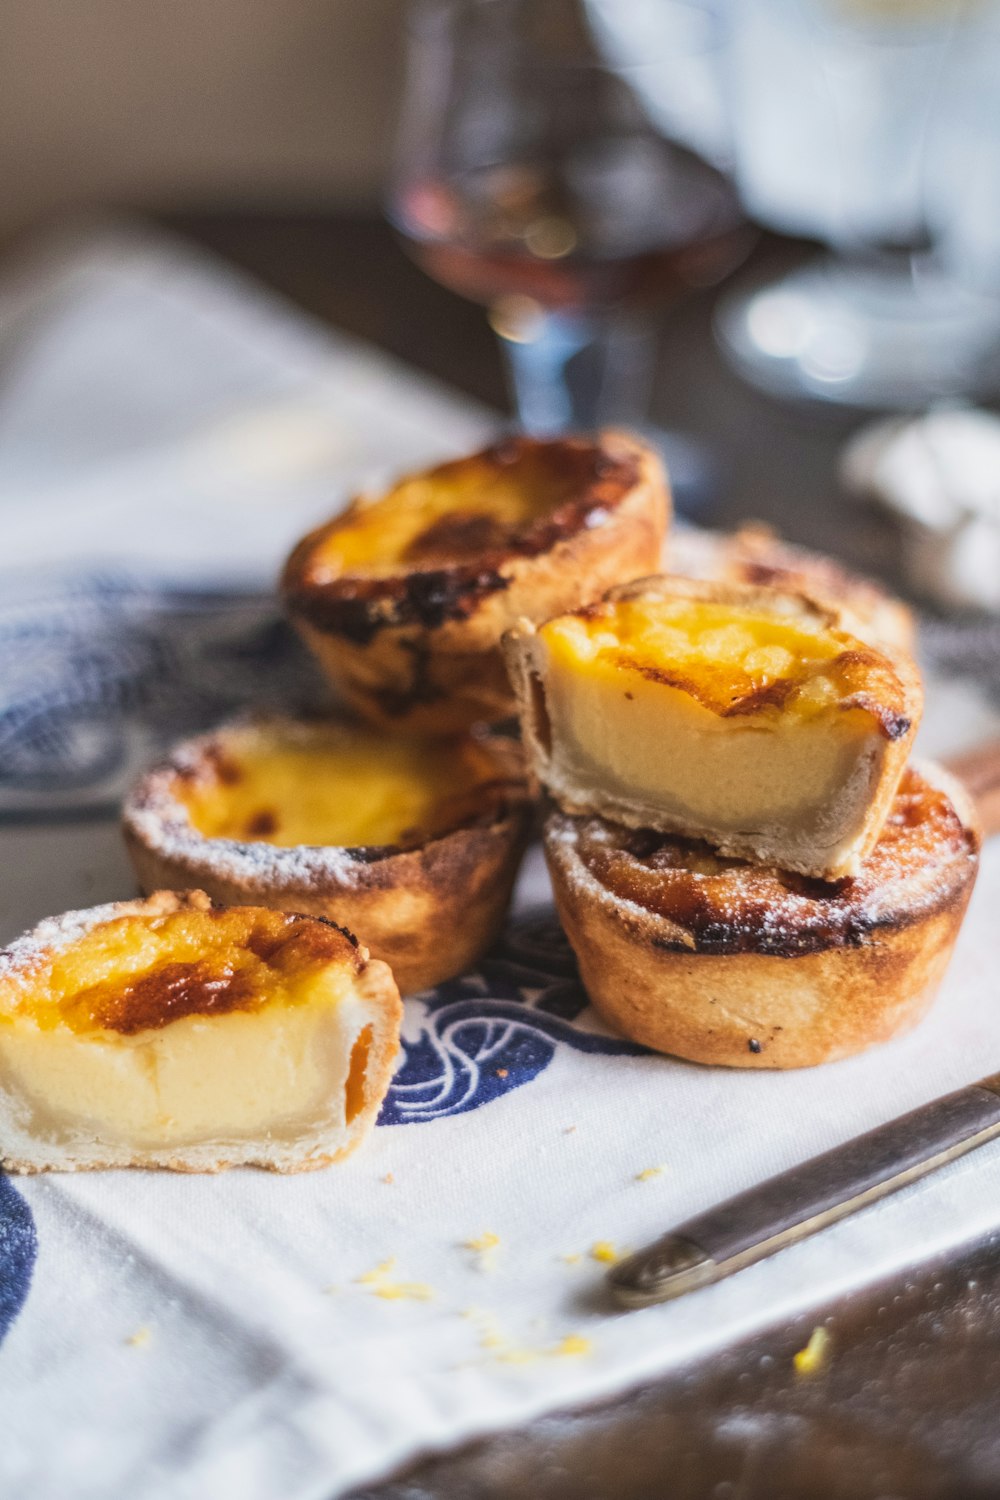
<point>755,554</point>
<point>749,966</point>
<point>404,597</point>
<point>169,1033</point>
<point>743,716</point>
<point>412,844</point>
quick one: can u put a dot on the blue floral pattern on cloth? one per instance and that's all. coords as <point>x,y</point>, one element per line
<point>496,1028</point>
<point>18,1248</point>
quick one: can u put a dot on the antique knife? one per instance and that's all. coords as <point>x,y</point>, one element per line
<point>796,1203</point>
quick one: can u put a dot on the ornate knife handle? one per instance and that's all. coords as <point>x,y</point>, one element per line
<point>795,1204</point>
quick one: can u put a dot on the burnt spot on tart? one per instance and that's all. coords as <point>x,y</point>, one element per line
<point>459,559</point>
<point>924,861</point>
<point>263,824</point>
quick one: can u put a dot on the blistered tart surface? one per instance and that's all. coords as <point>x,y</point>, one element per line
<point>742,716</point>
<point>404,597</point>
<point>923,859</point>
<point>169,1032</point>
<point>516,499</point>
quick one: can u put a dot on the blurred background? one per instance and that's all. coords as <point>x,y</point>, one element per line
<point>592,172</point>
<point>277,104</point>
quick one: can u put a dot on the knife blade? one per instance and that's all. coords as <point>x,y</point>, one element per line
<point>795,1204</point>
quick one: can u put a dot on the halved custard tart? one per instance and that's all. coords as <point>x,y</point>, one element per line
<point>168,1033</point>
<point>404,597</point>
<point>413,844</point>
<point>743,716</point>
<point>754,554</point>
<point>749,966</point>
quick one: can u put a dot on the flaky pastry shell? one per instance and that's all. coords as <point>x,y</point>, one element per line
<point>417,648</point>
<point>428,911</point>
<point>746,966</point>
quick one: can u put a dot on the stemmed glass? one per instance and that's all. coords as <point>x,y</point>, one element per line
<point>531,176</point>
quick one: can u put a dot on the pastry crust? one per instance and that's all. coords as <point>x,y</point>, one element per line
<point>881,694</point>
<point>134,1045</point>
<point>728,963</point>
<point>417,646</point>
<point>754,554</point>
<point>430,911</point>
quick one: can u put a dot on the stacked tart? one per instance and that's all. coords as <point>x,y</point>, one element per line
<point>748,870</point>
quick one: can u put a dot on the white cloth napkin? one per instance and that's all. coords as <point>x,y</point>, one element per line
<point>244,1335</point>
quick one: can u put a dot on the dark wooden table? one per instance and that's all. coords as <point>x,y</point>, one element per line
<point>908,1405</point>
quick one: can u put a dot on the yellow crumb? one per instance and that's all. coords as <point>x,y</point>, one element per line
<point>388,1177</point>
<point>572,1258</point>
<point>140,1338</point>
<point>485,1241</point>
<point>398,1291</point>
<point>381,1270</point>
<point>604,1251</point>
<point>574,1345</point>
<point>648,1173</point>
<point>394,1291</point>
<point>484,1246</point>
<point>518,1357</point>
<point>568,1129</point>
<point>813,1356</point>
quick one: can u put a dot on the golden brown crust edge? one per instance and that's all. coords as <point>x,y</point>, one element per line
<point>442,673</point>
<point>756,1009</point>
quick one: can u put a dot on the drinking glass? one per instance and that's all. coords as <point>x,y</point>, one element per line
<point>531,175</point>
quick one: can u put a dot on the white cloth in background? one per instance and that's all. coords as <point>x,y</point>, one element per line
<point>193,1336</point>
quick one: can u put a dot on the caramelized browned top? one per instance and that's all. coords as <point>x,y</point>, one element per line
<point>926,858</point>
<point>546,490</point>
<point>286,944</point>
<point>146,968</point>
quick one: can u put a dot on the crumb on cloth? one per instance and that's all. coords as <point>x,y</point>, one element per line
<point>812,1358</point>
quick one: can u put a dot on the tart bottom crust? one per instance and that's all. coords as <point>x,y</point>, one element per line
<point>428,913</point>
<point>746,1009</point>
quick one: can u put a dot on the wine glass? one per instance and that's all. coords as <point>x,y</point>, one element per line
<point>533,176</point>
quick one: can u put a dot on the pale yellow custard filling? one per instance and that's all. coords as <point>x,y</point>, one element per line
<point>343,787</point>
<point>195,1027</point>
<point>704,717</point>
